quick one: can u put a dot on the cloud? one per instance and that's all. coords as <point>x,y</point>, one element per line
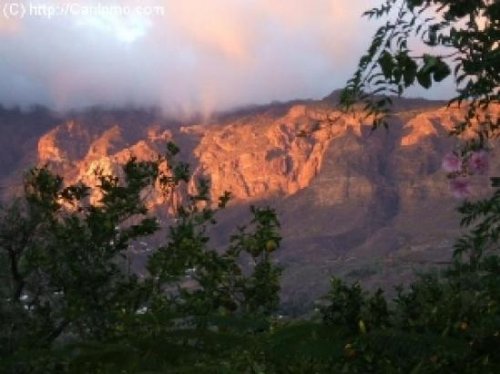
<point>198,56</point>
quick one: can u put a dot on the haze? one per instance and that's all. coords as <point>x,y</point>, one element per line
<point>197,57</point>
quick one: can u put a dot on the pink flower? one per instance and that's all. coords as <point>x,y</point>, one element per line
<point>479,162</point>
<point>460,188</point>
<point>451,163</point>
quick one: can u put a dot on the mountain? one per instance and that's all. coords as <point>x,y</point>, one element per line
<point>368,206</point>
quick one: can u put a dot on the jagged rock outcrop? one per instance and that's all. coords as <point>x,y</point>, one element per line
<point>258,156</point>
<point>81,153</point>
<point>265,158</point>
<point>348,198</point>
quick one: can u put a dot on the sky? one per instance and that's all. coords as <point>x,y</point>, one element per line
<point>186,56</point>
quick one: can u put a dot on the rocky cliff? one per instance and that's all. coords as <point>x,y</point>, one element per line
<point>353,202</point>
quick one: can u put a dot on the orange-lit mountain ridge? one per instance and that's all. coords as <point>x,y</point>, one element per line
<point>366,205</point>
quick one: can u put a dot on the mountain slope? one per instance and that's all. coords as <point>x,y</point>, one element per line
<point>369,206</point>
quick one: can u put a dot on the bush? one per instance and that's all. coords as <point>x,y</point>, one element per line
<point>66,279</point>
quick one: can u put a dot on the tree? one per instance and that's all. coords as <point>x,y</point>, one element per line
<point>66,281</point>
<point>69,303</point>
<point>424,41</point>
<point>446,323</point>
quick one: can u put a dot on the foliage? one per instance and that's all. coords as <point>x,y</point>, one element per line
<point>66,271</point>
<point>351,308</point>
<point>484,218</point>
<point>70,303</point>
<point>424,41</point>
<point>440,324</point>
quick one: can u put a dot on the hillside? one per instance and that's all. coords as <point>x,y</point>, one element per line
<point>369,206</point>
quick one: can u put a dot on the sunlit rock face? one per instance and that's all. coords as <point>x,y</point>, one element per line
<point>266,157</point>
<point>80,155</point>
<point>267,154</point>
<point>347,197</point>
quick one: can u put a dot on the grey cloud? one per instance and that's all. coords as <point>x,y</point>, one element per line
<point>199,56</point>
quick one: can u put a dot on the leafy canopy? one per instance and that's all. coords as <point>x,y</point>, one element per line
<point>423,42</point>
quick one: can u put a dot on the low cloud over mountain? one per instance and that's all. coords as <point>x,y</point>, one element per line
<point>192,56</point>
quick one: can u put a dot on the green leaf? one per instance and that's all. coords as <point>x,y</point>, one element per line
<point>386,63</point>
<point>441,71</point>
<point>424,78</point>
<point>409,71</point>
<point>429,62</point>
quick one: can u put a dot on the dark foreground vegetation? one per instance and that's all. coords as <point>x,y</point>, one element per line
<point>69,302</point>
